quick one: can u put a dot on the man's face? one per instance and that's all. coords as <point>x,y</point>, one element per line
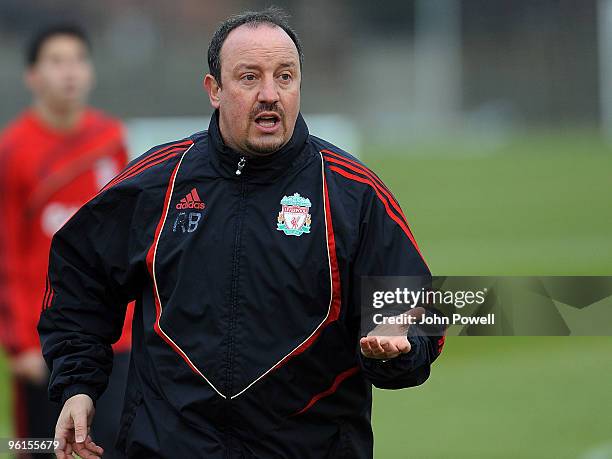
<point>62,77</point>
<point>259,94</point>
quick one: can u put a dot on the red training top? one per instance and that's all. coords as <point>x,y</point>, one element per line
<point>45,176</point>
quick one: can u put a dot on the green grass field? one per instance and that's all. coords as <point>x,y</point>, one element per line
<point>539,206</point>
<point>503,397</point>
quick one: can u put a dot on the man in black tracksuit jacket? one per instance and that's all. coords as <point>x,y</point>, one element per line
<point>246,271</point>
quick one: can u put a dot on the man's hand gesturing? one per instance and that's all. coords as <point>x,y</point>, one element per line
<point>384,347</point>
<point>72,429</point>
<point>388,341</point>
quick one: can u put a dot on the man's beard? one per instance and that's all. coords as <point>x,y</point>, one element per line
<point>265,146</point>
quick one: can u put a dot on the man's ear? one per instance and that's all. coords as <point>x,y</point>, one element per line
<point>212,88</point>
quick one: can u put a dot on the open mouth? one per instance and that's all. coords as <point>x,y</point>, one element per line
<point>267,119</point>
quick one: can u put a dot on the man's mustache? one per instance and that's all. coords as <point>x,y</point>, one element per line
<point>274,107</point>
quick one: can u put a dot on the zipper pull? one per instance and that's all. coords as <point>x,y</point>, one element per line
<point>241,165</point>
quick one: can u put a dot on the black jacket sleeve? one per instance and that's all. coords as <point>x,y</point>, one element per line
<point>387,248</point>
<point>95,267</point>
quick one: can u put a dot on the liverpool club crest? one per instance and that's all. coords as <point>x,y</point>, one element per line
<point>294,217</point>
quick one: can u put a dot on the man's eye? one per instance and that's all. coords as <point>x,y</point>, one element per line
<point>285,77</point>
<point>249,77</point>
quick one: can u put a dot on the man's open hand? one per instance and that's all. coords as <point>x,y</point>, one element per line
<point>72,429</point>
<point>384,347</point>
<point>388,341</point>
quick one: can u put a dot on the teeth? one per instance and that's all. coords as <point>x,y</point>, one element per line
<point>267,122</point>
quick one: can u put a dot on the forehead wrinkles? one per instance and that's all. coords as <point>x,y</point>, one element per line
<point>261,57</point>
<point>261,43</point>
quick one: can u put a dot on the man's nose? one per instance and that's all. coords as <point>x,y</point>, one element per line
<point>268,92</point>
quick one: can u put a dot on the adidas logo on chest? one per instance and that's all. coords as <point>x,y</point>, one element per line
<point>187,222</point>
<point>191,201</point>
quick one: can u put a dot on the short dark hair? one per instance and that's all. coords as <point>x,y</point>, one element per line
<point>41,37</point>
<point>272,15</point>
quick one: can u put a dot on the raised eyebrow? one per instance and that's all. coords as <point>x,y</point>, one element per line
<point>288,65</point>
<point>239,67</point>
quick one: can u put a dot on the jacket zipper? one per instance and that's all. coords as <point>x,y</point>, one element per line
<point>241,164</point>
<point>234,293</point>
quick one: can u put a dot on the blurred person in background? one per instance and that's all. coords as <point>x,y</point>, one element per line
<point>54,157</point>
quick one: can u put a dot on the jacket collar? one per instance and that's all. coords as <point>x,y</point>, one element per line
<point>257,169</point>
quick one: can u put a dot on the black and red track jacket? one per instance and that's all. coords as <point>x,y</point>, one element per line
<point>246,327</point>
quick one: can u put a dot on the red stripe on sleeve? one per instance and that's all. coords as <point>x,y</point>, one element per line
<point>150,158</point>
<point>144,165</point>
<point>375,179</point>
<point>44,305</point>
<point>393,216</point>
<point>441,342</point>
<point>361,166</point>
